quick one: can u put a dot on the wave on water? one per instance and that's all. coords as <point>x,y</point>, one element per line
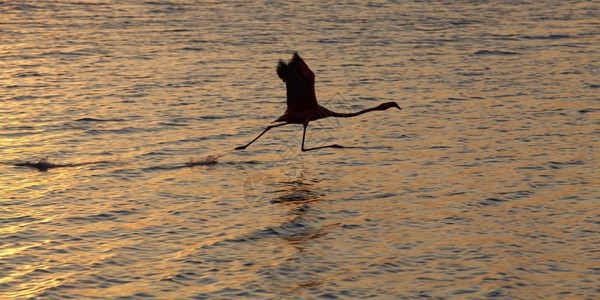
<point>495,52</point>
<point>87,119</point>
<point>547,37</point>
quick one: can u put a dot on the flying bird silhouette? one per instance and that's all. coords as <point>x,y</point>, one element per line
<point>302,106</point>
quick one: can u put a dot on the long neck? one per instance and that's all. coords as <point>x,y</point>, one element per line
<point>348,115</point>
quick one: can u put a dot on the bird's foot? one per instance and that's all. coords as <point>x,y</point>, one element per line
<point>328,146</point>
<point>240,148</point>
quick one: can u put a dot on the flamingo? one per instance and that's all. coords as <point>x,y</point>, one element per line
<point>302,105</point>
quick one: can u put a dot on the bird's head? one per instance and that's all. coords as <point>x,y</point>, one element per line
<point>386,105</point>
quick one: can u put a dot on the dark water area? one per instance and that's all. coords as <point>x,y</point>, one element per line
<point>484,185</point>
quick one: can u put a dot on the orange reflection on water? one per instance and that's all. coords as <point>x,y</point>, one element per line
<point>484,185</point>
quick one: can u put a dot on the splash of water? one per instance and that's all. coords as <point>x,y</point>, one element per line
<point>43,164</point>
<point>208,160</point>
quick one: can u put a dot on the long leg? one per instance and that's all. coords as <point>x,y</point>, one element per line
<point>266,129</point>
<point>328,146</point>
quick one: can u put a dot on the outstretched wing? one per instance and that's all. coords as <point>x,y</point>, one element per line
<point>299,82</point>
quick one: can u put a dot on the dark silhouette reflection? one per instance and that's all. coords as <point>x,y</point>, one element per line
<point>296,191</point>
<point>303,220</point>
<point>302,226</point>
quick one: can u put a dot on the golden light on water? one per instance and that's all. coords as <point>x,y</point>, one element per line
<point>483,185</point>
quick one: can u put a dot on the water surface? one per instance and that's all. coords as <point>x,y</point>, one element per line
<point>484,185</point>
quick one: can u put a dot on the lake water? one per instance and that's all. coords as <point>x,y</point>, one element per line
<point>485,184</point>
